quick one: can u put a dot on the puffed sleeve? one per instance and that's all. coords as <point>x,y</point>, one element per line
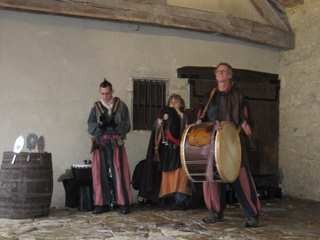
<point>93,128</point>
<point>124,125</point>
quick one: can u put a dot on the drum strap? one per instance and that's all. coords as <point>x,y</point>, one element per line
<point>202,115</point>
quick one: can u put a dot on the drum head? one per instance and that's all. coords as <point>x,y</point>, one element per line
<point>228,152</point>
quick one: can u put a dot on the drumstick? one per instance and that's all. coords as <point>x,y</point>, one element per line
<point>202,115</point>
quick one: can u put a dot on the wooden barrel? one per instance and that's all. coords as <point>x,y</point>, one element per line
<point>26,186</point>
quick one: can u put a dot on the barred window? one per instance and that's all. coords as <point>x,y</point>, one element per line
<point>149,96</point>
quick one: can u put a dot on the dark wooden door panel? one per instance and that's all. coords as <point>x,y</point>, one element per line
<point>264,120</point>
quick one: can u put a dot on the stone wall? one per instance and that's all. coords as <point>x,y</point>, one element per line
<point>300,105</point>
<point>50,67</point>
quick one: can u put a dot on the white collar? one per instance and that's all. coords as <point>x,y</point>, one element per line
<point>108,105</point>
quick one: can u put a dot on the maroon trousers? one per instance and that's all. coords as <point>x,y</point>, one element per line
<point>244,187</point>
<point>111,174</point>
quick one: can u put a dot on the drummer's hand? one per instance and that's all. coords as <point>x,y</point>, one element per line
<point>246,128</point>
<point>199,121</point>
<point>217,126</point>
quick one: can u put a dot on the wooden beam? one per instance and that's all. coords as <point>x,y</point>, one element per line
<point>161,15</point>
<point>281,12</point>
<point>163,2</point>
<point>291,3</point>
<point>270,14</point>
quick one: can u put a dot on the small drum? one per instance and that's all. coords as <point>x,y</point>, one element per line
<point>82,173</point>
<point>206,153</point>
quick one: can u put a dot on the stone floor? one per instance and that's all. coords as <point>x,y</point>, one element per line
<point>281,219</point>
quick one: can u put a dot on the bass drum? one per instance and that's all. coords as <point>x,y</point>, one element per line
<point>207,154</point>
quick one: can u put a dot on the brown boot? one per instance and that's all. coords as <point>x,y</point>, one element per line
<point>213,217</point>
<point>252,222</point>
<point>100,209</point>
<point>124,210</point>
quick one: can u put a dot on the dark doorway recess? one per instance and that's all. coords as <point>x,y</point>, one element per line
<point>261,91</point>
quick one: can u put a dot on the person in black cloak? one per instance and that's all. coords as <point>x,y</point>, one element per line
<point>160,175</point>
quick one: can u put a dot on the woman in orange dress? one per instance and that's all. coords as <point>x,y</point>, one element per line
<point>175,187</point>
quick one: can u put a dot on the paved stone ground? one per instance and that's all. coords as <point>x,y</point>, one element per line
<point>281,219</point>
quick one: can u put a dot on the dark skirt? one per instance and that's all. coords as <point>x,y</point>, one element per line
<point>169,157</point>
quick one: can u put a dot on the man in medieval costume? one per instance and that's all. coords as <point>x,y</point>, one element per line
<point>226,103</point>
<point>108,124</point>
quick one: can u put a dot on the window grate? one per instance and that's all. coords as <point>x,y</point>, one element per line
<point>149,96</point>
